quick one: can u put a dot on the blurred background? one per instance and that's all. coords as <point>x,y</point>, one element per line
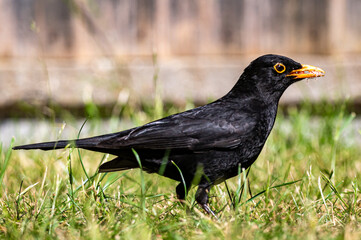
<point>70,54</point>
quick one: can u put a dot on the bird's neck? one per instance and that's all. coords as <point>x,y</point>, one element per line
<point>244,89</point>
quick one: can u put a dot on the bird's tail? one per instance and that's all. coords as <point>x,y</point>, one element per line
<point>46,145</point>
<point>85,143</point>
<point>127,160</point>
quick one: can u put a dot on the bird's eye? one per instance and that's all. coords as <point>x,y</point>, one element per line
<point>279,67</point>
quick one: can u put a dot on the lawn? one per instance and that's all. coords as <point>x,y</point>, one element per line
<point>305,185</point>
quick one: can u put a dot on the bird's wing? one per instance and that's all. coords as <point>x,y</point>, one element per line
<point>186,132</point>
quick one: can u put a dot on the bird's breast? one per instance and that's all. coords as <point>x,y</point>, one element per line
<point>252,145</point>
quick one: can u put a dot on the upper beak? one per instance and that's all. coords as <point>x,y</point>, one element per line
<point>307,71</point>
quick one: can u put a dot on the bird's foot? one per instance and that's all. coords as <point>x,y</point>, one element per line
<point>208,210</point>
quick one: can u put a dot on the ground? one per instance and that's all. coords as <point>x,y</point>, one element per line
<point>305,185</point>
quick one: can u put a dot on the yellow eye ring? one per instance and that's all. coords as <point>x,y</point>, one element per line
<point>279,67</point>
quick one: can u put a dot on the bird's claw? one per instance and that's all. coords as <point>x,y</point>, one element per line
<point>208,210</point>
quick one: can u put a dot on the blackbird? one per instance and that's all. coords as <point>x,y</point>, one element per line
<point>210,143</point>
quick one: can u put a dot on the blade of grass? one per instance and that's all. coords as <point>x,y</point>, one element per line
<point>80,158</point>
<point>17,202</point>
<point>53,206</point>
<point>334,189</point>
<point>19,197</point>
<point>323,197</point>
<point>76,205</point>
<point>181,174</point>
<point>229,194</point>
<point>5,164</point>
<point>111,179</point>
<point>142,182</point>
<point>41,205</point>
<point>57,187</point>
<point>236,197</point>
<point>27,189</point>
<point>70,172</point>
<point>164,163</point>
<point>274,187</point>
<point>244,182</point>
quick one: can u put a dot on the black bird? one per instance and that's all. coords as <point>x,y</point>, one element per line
<point>211,142</point>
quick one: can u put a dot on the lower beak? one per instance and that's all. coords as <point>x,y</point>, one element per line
<point>306,71</point>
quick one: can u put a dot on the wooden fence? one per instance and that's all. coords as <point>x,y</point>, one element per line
<point>125,28</point>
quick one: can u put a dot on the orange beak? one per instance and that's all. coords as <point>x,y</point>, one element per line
<point>307,71</point>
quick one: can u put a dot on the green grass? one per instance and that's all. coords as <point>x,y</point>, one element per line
<point>305,185</point>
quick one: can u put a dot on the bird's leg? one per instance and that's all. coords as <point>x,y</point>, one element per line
<point>182,191</point>
<point>202,199</point>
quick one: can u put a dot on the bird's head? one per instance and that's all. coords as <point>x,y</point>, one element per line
<point>272,74</point>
